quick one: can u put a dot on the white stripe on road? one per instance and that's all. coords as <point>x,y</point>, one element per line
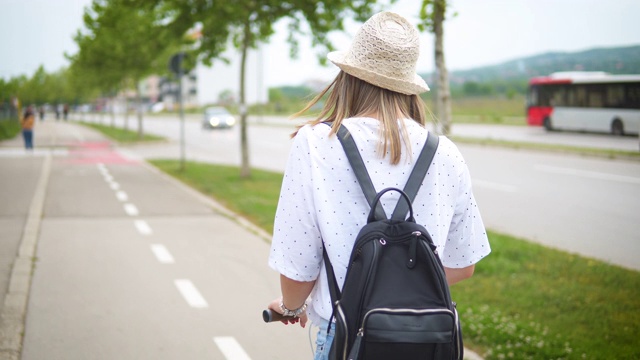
<point>108,178</point>
<point>143,227</point>
<point>230,348</point>
<point>191,294</point>
<point>588,174</point>
<point>131,209</point>
<point>162,254</point>
<point>114,185</point>
<point>122,196</point>
<point>494,186</point>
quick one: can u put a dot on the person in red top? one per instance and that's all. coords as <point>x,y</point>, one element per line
<point>27,123</point>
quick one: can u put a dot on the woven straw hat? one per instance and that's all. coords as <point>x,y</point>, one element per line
<point>384,53</point>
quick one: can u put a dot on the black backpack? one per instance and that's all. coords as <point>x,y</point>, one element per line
<point>395,302</point>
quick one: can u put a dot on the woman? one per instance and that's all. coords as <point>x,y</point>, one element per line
<point>375,96</point>
<point>27,123</point>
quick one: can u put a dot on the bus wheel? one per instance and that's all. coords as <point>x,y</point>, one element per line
<point>547,124</point>
<point>617,128</point>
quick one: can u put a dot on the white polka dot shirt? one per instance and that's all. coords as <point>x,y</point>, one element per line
<point>322,200</point>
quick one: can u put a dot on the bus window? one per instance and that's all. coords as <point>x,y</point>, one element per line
<point>633,96</point>
<point>532,99</point>
<point>559,96</point>
<point>615,96</point>
<point>577,96</point>
<point>596,96</point>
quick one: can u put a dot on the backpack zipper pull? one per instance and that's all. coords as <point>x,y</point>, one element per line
<point>413,249</point>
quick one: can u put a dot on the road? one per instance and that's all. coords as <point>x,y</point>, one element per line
<point>129,263</point>
<point>579,204</point>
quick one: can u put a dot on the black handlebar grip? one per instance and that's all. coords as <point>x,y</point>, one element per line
<point>271,316</point>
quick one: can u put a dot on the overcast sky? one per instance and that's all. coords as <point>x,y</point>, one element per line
<point>484,32</point>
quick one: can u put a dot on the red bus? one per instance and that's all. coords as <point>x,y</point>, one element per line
<point>585,101</point>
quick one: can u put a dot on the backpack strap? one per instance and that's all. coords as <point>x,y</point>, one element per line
<point>359,169</point>
<point>334,289</point>
<point>417,176</point>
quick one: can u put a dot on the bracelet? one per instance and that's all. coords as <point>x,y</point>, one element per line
<point>292,313</point>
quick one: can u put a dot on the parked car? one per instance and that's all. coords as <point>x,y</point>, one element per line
<point>217,117</point>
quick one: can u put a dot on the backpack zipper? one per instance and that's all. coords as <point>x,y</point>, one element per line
<point>412,311</point>
<point>378,241</point>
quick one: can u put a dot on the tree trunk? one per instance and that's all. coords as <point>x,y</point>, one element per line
<point>245,168</point>
<point>139,111</point>
<point>113,110</point>
<point>443,108</point>
<point>126,112</point>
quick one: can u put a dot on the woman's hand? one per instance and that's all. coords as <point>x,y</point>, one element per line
<point>275,307</point>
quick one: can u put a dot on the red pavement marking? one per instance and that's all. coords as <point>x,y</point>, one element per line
<point>95,152</point>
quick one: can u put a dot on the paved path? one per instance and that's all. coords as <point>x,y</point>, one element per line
<point>104,257</point>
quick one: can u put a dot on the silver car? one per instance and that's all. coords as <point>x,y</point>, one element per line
<point>217,117</point>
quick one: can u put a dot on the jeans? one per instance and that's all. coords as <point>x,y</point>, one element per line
<point>28,138</point>
<point>324,341</point>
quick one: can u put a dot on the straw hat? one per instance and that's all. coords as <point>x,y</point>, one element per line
<point>384,53</point>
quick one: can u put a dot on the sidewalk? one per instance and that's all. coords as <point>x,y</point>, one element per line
<point>28,181</point>
<point>23,181</point>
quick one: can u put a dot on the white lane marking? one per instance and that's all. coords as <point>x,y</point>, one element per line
<point>588,174</point>
<point>143,227</point>
<point>122,196</point>
<point>131,209</point>
<point>230,348</point>
<point>114,185</point>
<point>162,254</point>
<point>191,294</point>
<point>108,178</point>
<point>494,186</point>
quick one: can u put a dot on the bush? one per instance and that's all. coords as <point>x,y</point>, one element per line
<point>9,129</point>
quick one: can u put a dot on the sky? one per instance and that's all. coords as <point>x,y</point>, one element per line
<point>484,32</point>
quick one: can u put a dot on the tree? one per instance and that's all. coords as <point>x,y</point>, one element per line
<point>432,14</point>
<point>248,23</point>
<point>125,42</point>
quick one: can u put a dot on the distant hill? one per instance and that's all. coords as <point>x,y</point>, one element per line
<point>618,60</point>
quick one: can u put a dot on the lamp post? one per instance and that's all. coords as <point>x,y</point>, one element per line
<point>176,65</point>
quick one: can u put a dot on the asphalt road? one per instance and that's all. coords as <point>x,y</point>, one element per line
<point>579,204</point>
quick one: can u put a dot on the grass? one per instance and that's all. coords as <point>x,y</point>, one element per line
<point>9,129</point>
<point>255,198</point>
<point>121,135</point>
<point>607,153</point>
<point>525,301</point>
<point>465,110</point>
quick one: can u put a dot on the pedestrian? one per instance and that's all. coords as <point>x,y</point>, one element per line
<point>65,111</point>
<point>376,97</point>
<point>41,112</point>
<point>27,122</point>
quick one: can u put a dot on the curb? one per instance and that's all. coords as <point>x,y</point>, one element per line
<point>217,207</point>
<point>14,311</point>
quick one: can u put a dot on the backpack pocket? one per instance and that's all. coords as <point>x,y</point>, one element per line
<point>406,334</point>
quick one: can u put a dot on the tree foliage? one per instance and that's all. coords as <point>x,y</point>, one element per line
<point>245,24</point>
<point>124,42</point>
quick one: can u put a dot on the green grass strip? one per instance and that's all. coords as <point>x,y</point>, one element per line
<point>606,153</point>
<point>525,301</point>
<point>121,135</point>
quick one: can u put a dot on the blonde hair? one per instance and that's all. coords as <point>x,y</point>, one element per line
<point>349,96</point>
